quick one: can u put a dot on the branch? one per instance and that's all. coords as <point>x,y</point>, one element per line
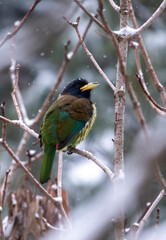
<point>159,175</point>
<point>21,125</point>
<point>13,94</point>
<point>30,176</point>
<point>10,35</point>
<point>154,16</point>
<point>90,15</point>
<point>94,159</point>
<point>115,7</point>
<point>148,213</point>
<point>5,187</point>
<point>75,26</point>
<point>130,33</point>
<point>160,110</point>
<point>16,95</point>
<point>3,104</point>
<point>152,73</point>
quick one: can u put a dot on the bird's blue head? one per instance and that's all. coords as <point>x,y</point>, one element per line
<point>79,88</point>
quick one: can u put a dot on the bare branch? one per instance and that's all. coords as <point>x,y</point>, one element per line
<point>115,7</point>
<point>94,159</point>
<point>3,123</point>
<point>148,213</point>
<point>13,94</point>
<point>159,175</point>
<point>75,26</point>
<point>152,73</point>
<point>5,186</point>
<point>90,15</point>
<point>154,16</point>
<point>10,35</point>
<point>160,110</point>
<point>21,125</point>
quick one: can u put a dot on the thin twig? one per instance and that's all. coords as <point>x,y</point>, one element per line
<point>13,94</point>
<point>135,46</point>
<point>158,174</point>
<point>92,16</point>
<point>10,35</point>
<point>157,224</point>
<point>154,16</point>
<point>74,50</point>
<point>95,160</point>
<point>160,110</point>
<point>115,7</point>
<point>148,213</point>
<point>5,186</point>
<point>75,26</point>
<point>3,122</point>
<point>150,68</point>
<point>53,227</point>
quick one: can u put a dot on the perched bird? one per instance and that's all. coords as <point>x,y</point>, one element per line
<point>67,122</point>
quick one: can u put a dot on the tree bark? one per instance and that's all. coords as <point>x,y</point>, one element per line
<point>119,124</point>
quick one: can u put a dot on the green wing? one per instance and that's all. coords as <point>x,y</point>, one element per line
<point>49,127</point>
<point>68,128</point>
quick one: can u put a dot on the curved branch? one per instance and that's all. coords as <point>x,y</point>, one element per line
<point>160,110</point>
<point>90,156</point>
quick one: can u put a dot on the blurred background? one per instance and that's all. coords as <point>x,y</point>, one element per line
<point>39,49</point>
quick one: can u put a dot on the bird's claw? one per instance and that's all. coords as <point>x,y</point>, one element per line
<point>69,150</point>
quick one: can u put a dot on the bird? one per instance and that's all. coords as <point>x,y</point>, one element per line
<point>67,122</point>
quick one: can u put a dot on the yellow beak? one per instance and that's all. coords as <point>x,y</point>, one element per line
<point>89,86</point>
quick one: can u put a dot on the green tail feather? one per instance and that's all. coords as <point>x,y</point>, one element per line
<point>49,154</point>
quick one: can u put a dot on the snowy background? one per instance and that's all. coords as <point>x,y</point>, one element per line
<point>40,51</point>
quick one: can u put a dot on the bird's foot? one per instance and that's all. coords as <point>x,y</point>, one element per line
<point>69,150</point>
